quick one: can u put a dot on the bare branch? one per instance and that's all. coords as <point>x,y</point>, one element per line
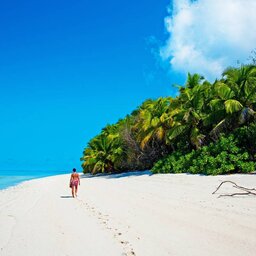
<point>248,191</point>
<point>235,194</point>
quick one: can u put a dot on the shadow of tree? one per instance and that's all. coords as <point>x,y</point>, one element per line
<point>116,175</point>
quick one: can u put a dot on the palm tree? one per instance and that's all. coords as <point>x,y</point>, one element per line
<point>243,82</point>
<point>190,111</point>
<point>102,153</point>
<point>193,80</point>
<point>154,120</point>
<point>234,99</point>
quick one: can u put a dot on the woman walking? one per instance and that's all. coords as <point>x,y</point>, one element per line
<point>74,182</point>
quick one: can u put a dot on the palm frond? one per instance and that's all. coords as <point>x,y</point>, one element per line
<point>176,131</point>
<point>232,106</point>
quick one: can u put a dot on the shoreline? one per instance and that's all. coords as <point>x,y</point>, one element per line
<point>128,214</point>
<point>7,181</point>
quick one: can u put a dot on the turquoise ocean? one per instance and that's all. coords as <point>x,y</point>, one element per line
<point>12,178</point>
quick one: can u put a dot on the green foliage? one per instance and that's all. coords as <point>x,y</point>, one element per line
<point>222,157</point>
<point>188,133</point>
<point>232,106</point>
<point>103,151</point>
<point>246,137</point>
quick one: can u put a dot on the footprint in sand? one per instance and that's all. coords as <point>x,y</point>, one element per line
<point>124,242</point>
<point>131,253</point>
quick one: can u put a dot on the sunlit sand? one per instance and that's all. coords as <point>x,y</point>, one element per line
<point>128,214</point>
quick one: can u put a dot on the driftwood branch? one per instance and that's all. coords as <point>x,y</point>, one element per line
<point>246,191</point>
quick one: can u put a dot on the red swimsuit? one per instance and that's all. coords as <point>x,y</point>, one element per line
<point>74,183</point>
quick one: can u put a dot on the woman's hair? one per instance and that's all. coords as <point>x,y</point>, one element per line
<point>74,169</point>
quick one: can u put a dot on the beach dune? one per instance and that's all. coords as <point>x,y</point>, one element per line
<point>128,214</point>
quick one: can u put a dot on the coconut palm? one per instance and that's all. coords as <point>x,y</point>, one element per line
<point>234,99</point>
<point>154,120</point>
<point>243,82</point>
<point>190,111</point>
<point>102,153</point>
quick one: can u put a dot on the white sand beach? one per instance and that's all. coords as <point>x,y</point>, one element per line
<point>128,214</point>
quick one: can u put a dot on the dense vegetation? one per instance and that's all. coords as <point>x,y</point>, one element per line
<point>208,128</point>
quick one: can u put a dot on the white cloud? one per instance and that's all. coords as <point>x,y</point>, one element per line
<point>206,36</point>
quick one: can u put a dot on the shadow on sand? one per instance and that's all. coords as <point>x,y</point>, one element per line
<point>139,173</point>
<point>117,175</point>
<point>66,196</point>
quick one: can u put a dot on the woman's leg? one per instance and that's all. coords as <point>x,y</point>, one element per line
<point>73,192</point>
<point>76,187</point>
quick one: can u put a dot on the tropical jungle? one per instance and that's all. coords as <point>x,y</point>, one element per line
<point>209,128</point>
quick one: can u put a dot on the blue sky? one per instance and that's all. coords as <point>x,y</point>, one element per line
<point>69,68</point>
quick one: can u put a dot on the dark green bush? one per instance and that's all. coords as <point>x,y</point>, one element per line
<point>221,157</point>
<point>246,137</point>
